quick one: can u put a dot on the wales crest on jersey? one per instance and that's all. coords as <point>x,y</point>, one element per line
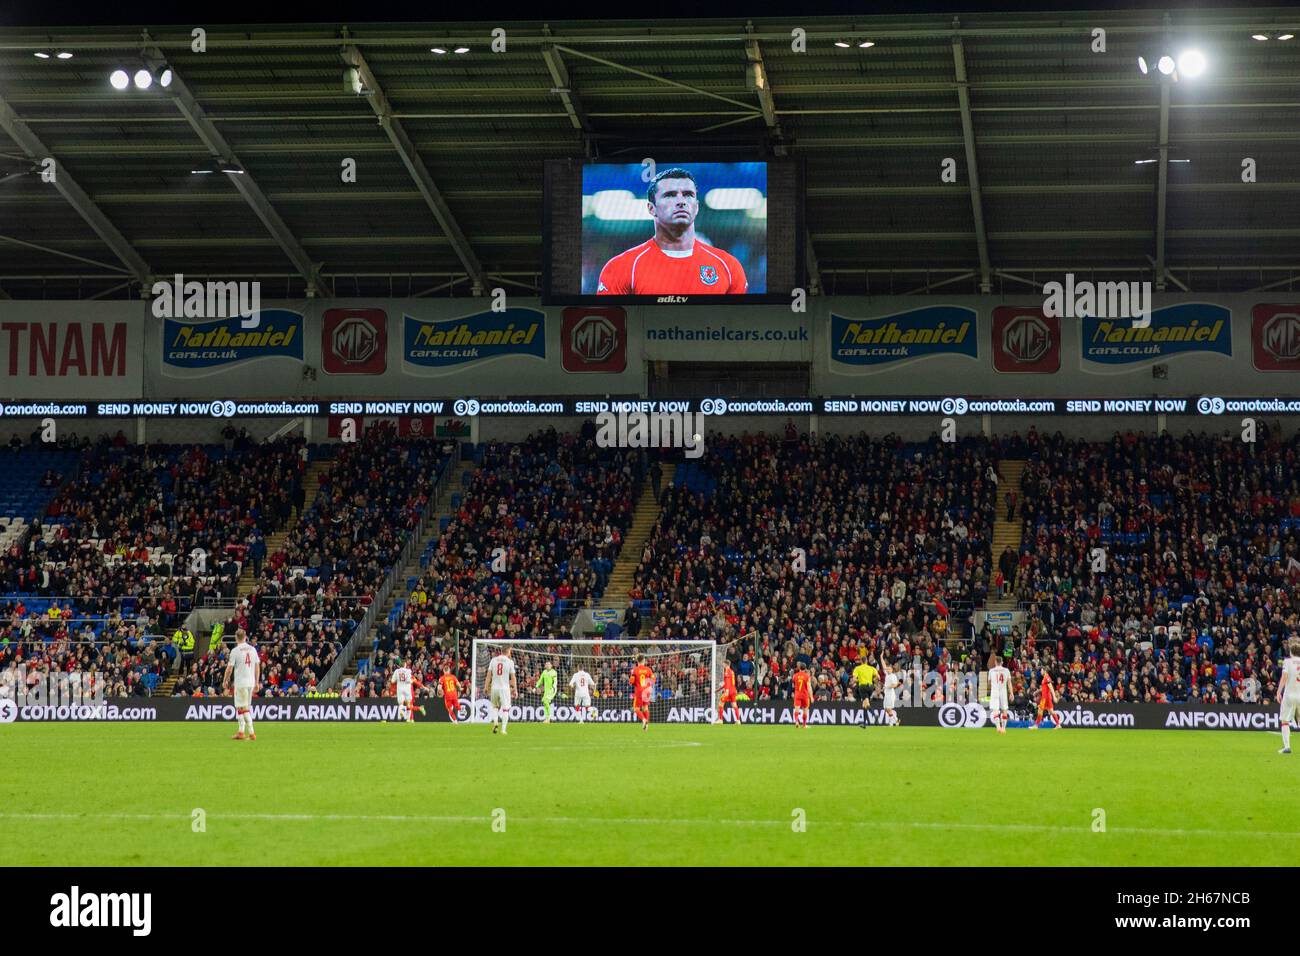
<point>708,275</point>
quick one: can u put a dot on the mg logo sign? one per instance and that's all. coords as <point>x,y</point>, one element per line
<point>1282,337</point>
<point>594,340</point>
<point>354,341</point>
<point>1025,340</point>
<point>1275,337</point>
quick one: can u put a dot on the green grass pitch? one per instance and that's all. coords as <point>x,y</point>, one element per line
<point>425,794</point>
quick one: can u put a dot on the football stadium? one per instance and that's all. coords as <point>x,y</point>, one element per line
<point>859,440</point>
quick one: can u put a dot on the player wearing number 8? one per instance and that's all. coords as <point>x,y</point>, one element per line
<point>501,686</point>
<point>581,684</point>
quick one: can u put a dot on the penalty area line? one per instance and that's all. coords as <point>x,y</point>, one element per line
<point>652,821</point>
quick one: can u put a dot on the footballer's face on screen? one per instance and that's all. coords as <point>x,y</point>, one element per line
<point>675,204</point>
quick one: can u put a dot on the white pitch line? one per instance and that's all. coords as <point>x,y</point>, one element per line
<point>657,821</point>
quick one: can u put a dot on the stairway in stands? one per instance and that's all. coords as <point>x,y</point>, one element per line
<point>1007,534</point>
<point>644,519</point>
<point>460,481</point>
<point>274,542</point>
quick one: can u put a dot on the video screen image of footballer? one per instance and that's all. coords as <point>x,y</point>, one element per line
<point>673,261</point>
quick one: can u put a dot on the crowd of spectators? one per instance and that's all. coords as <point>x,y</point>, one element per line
<point>315,590</point>
<point>1158,568</point>
<point>165,522</point>
<point>890,537</point>
<point>1152,568</point>
<point>552,512</point>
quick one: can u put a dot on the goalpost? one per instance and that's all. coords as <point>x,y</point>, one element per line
<point>687,676</point>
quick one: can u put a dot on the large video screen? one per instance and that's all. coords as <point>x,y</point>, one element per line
<point>673,231</point>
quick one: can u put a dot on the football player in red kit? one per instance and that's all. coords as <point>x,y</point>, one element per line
<point>673,261</point>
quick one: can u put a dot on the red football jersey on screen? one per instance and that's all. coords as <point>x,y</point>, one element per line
<point>648,270</point>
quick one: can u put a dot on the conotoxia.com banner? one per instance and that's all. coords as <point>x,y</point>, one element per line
<point>949,715</point>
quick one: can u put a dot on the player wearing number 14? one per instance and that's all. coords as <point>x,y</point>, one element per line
<point>450,693</point>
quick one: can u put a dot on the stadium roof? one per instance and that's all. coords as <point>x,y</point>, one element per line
<point>449,147</point>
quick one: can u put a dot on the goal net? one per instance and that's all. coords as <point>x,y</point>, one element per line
<point>686,678</point>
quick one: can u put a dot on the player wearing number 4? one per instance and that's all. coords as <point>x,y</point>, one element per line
<point>999,685</point>
<point>547,684</point>
<point>1288,693</point>
<point>501,686</point>
<point>245,667</point>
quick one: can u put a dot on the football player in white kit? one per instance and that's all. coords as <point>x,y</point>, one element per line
<point>892,683</point>
<point>1288,693</point>
<point>405,682</point>
<point>501,687</point>
<point>246,669</point>
<point>999,689</point>
<point>581,684</point>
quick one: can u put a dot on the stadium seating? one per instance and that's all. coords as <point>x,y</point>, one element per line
<point>890,533</point>
<point>1202,558</point>
<point>314,591</point>
<point>1201,539</point>
<point>559,507</point>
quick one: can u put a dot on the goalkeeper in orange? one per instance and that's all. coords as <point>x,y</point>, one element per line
<point>643,689</point>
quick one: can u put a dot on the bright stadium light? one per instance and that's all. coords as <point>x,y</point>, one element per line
<point>1284,36</point>
<point>1191,63</point>
<point>461,49</point>
<point>143,79</point>
<point>438,50</point>
<point>619,205</point>
<point>1261,37</point>
<point>733,198</point>
<point>119,79</point>
<point>1142,65</point>
<point>165,78</point>
<point>41,55</point>
<point>866,44</point>
<point>842,45</point>
<point>1166,65</point>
